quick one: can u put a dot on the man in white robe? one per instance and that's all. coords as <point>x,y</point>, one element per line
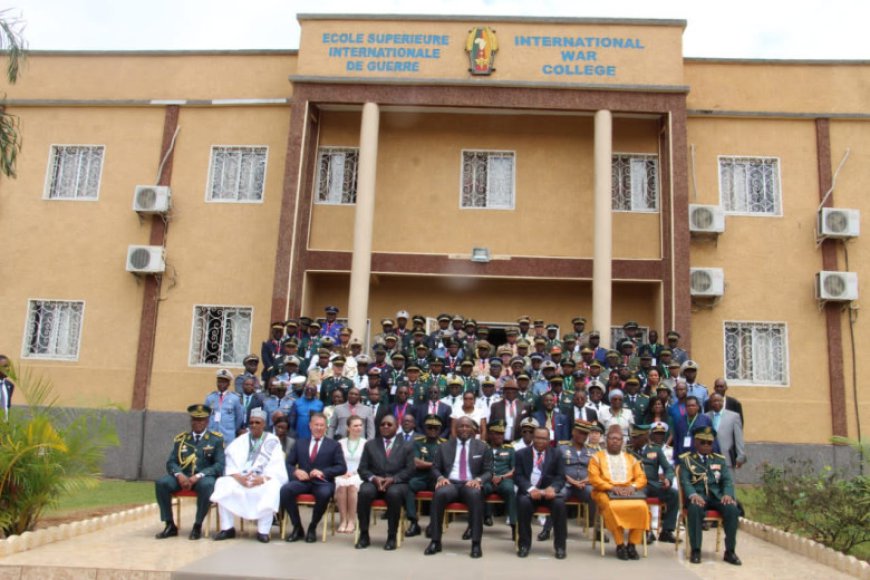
<point>251,486</point>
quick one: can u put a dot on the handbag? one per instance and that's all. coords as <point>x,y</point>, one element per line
<point>639,494</point>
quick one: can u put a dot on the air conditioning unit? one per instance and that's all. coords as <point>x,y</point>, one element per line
<point>706,282</point>
<point>839,223</point>
<point>706,219</point>
<point>151,199</point>
<point>146,259</point>
<point>836,286</point>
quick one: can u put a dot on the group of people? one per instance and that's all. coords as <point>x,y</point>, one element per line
<point>453,415</point>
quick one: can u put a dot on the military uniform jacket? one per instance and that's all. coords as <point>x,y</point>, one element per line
<point>205,457</point>
<point>638,406</point>
<point>329,384</point>
<point>503,459</point>
<point>576,462</point>
<point>565,403</point>
<point>653,458</point>
<point>710,479</point>
<point>425,450</point>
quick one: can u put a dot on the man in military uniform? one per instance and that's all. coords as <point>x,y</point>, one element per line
<point>659,475</point>
<point>502,482</point>
<point>271,349</point>
<point>196,460</point>
<point>678,354</point>
<point>227,415</point>
<point>469,383</point>
<point>417,387</point>
<point>564,399</point>
<point>706,481</point>
<point>336,380</point>
<point>637,402</point>
<point>575,455</point>
<point>525,393</point>
<point>425,447</point>
<point>437,336</point>
<point>436,375</point>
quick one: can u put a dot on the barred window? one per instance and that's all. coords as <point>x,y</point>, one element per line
<point>750,185</point>
<point>487,179</point>
<point>237,173</point>
<point>54,329</point>
<point>337,174</point>
<point>221,335</point>
<point>635,182</point>
<point>756,353</point>
<point>74,171</point>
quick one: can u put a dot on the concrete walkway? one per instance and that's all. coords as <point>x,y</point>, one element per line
<point>129,551</point>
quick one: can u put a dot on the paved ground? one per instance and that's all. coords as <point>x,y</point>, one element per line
<point>129,552</point>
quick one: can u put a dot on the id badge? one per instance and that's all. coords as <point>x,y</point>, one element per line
<point>687,442</point>
<point>217,416</point>
<point>552,434</point>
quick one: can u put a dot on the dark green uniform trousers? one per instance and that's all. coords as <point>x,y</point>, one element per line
<point>730,515</point>
<point>167,485</point>
<point>506,490</point>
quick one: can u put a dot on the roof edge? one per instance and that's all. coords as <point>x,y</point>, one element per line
<point>494,18</point>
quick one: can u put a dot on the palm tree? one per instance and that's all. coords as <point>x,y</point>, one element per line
<point>13,45</point>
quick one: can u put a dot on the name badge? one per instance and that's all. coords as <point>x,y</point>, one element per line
<point>552,434</point>
<point>651,455</point>
<point>687,442</point>
<point>715,467</point>
<point>217,416</point>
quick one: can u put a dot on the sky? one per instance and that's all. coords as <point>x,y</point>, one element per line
<point>798,29</point>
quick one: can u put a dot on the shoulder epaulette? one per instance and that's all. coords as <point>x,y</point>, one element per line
<point>180,437</point>
<point>442,440</point>
<point>217,434</point>
<point>420,438</point>
<point>506,446</point>
<point>718,455</point>
<point>564,443</point>
<point>684,455</point>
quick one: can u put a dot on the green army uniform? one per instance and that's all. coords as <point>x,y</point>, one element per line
<point>708,477</point>
<point>653,458</point>
<point>424,450</point>
<point>418,391</point>
<point>565,403</point>
<point>569,384</point>
<point>332,383</point>
<point>638,404</point>
<point>530,399</point>
<point>203,459</point>
<point>470,385</point>
<point>308,346</point>
<point>503,462</point>
<point>439,380</point>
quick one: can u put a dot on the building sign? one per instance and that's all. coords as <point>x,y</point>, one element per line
<point>383,52</point>
<point>481,46</point>
<point>578,56</point>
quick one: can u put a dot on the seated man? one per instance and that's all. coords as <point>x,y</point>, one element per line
<point>425,449</point>
<point>659,475</point>
<point>503,468</point>
<point>386,465</point>
<point>196,459</point>
<point>461,467</point>
<point>576,456</point>
<point>255,472</point>
<point>706,481</point>
<point>540,477</point>
<point>312,464</point>
<point>617,478</point>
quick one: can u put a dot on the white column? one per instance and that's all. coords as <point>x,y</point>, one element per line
<point>602,275</point>
<point>364,220</point>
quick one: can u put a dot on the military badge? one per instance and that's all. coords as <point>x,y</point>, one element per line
<point>481,47</point>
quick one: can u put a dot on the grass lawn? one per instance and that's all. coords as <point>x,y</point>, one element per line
<point>110,493</point>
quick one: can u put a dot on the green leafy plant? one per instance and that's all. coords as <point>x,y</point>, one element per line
<point>46,452</point>
<point>13,46</point>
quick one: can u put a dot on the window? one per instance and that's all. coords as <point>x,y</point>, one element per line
<point>635,182</point>
<point>221,335</point>
<point>750,185</point>
<point>756,353</point>
<point>238,174</point>
<point>74,171</point>
<point>54,329</point>
<point>487,179</point>
<point>336,174</point>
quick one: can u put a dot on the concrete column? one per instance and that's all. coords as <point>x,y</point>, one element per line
<point>364,220</point>
<point>602,276</point>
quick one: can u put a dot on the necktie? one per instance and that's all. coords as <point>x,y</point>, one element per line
<point>314,451</point>
<point>352,409</point>
<point>388,443</point>
<point>196,438</point>
<point>539,459</point>
<point>247,400</point>
<point>407,436</point>
<point>463,469</point>
<point>512,409</point>
<point>434,408</point>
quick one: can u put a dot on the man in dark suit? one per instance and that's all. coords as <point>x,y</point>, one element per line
<point>402,404</point>
<point>461,467</point>
<point>250,399</point>
<point>551,419</point>
<point>312,464</point>
<point>386,465</point>
<point>510,409</point>
<point>540,476</point>
<point>580,411</point>
<point>731,404</point>
<point>434,406</point>
<point>375,401</point>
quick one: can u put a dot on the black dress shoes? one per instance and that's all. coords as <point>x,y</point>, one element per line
<point>195,532</point>
<point>632,552</point>
<point>225,535</point>
<point>621,552</point>
<point>732,558</point>
<point>170,531</point>
<point>363,541</point>
<point>466,535</point>
<point>650,538</point>
<point>413,530</point>
<point>390,544</point>
<point>476,552</point>
<point>545,533</point>
<point>487,521</point>
<point>523,551</point>
<point>296,535</point>
<point>311,536</point>
<point>667,536</point>
<point>428,531</point>
<point>560,553</point>
<point>263,538</point>
<point>433,548</point>
<point>513,532</point>
<point>695,558</point>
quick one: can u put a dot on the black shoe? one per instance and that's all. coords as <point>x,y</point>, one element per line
<point>263,538</point>
<point>695,558</point>
<point>732,558</point>
<point>650,538</point>
<point>513,532</point>
<point>363,542</point>
<point>195,532</point>
<point>523,551</point>
<point>296,535</point>
<point>466,535</point>
<point>598,534</point>
<point>476,552</point>
<point>225,535</point>
<point>621,552</point>
<point>170,531</point>
<point>413,530</point>
<point>545,533</point>
<point>433,548</point>
<point>560,553</point>
<point>487,521</point>
<point>311,536</point>
<point>390,544</point>
<point>632,552</point>
<point>667,536</point>
<point>429,531</point>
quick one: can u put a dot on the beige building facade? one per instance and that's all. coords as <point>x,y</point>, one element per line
<point>363,169</point>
